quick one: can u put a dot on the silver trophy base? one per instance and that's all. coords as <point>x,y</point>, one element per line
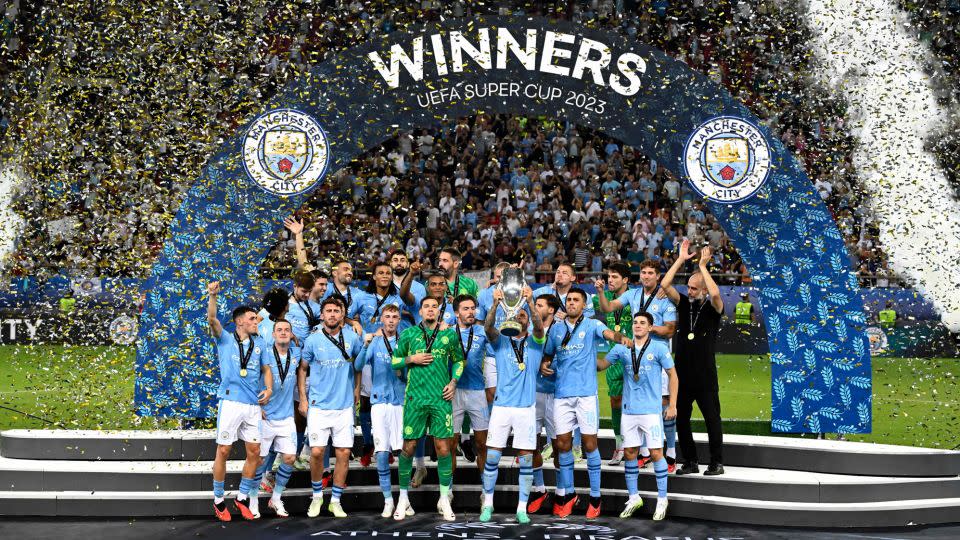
<point>510,328</point>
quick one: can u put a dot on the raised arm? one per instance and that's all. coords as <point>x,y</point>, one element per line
<point>213,289</point>
<point>606,306</point>
<point>666,283</point>
<point>405,293</point>
<point>538,333</point>
<point>296,227</point>
<point>712,288</point>
<point>489,323</point>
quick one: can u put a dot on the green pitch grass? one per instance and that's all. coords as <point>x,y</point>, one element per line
<point>915,400</point>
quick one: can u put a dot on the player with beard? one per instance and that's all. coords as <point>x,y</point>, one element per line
<point>515,404</point>
<point>434,364</point>
<point>618,281</point>
<point>329,356</point>
<point>380,292</point>
<point>484,304</point>
<point>416,292</point>
<point>436,289</point>
<point>572,348</point>
<point>470,401</point>
<point>563,281</point>
<point>547,306</point>
<point>698,322</point>
<point>342,272</point>
<point>457,284</point>
<point>304,312</point>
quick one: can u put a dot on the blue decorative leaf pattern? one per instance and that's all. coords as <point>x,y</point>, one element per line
<point>778,389</point>
<point>796,406</point>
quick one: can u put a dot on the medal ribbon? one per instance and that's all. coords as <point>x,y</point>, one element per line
<point>341,345</point>
<point>518,350</point>
<point>244,358</point>
<point>312,320</point>
<point>637,358</point>
<point>376,310</point>
<point>283,370</point>
<point>569,334</point>
<point>429,341</point>
<point>466,350</point>
<point>386,343</point>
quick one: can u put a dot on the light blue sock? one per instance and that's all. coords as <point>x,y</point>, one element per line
<point>317,488</point>
<point>538,477</point>
<point>245,485</point>
<point>383,472</point>
<point>566,472</point>
<point>670,431</point>
<point>631,469</point>
<point>660,469</point>
<point>283,476</point>
<point>254,490</point>
<point>490,470</point>
<point>337,492</point>
<point>366,428</point>
<point>593,468</point>
<point>526,479</point>
<point>218,489</point>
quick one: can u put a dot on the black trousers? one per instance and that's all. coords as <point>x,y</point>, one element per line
<point>709,403</point>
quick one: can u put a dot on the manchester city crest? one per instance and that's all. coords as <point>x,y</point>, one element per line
<point>727,159</point>
<point>285,152</point>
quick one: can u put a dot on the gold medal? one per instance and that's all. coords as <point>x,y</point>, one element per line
<point>690,336</point>
<point>617,328</point>
<point>522,366</point>
<point>636,378</point>
<point>243,372</point>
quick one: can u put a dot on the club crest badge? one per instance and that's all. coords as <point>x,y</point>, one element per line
<point>727,159</point>
<point>286,152</point>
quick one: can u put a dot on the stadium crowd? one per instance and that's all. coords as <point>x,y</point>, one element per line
<point>108,175</point>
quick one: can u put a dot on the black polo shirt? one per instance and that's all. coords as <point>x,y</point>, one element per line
<point>696,362</point>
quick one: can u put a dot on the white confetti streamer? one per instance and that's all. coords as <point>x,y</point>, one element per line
<point>868,56</point>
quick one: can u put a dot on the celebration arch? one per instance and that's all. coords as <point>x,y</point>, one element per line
<point>229,220</point>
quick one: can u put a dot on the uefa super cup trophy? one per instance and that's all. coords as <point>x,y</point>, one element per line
<point>512,283</point>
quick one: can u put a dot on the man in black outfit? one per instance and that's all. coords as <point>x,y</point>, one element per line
<point>694,345</point>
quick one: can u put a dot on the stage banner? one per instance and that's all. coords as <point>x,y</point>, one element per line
<point>230,218</point>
